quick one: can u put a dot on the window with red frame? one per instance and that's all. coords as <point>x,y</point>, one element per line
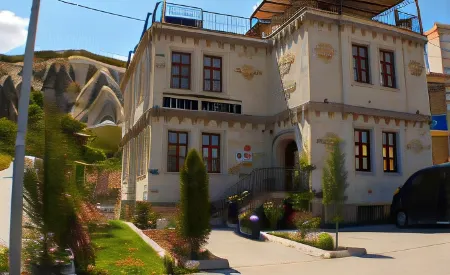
<point>361,63</point>
<point>211,152</point>
<point>212,73</point>
<point>389,152</point>
<point>362,150</point>
<point>181,71</point>
<point>177,150</point>
<point>387,69</point>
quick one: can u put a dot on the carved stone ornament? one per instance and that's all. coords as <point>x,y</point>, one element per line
<point>160,62</point>
<point>328,138</point>
<point>285,62</point>
<point>324,51</point>
<point>289,86</point>
<point>417,146</point>
<point>415,68</point>
<point>248,72</point>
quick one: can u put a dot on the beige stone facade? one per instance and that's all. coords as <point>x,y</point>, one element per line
<point>295,86</point>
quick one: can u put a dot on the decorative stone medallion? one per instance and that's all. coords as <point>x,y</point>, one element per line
<point>417,146</point>
<point>248,72</point>
<point>160,61</point>
<point>289,86</point>
<point>415,68</point>
<point>285,62</point>
<point>328,138</point>
<point>324,51</point>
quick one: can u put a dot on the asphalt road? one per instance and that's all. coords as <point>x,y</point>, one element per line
<point>390,251</point>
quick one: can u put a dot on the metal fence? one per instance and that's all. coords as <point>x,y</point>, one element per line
<point>262,181</point>
<point>198,18</point>
<point>399,19</point>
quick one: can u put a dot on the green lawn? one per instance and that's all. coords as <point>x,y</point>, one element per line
<point>119,250</point>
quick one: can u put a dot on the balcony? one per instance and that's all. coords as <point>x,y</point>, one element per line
<point>198,18</point>
<point>270,15</point>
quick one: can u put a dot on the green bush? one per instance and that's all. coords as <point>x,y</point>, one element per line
<point>244,222</point>
<point>194,217</point>
<point>37,97</point>
<point>325,242</point>
<point>169,265</point>
<point>144,217</point>
<point>4,264</point>
<point>8,131</point>
<point>92,155</point>
<point>70,125</point>
<point>273,212</point>
<point>306,223</point>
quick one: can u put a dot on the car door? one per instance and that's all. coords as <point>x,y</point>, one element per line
<point>423,201</point>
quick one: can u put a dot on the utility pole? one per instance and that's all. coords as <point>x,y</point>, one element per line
<point>15,234</point>
<point>419,16</point>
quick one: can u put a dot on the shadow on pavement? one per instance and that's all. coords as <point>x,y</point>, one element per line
<point>390,228</point>
<point>376,256</point>
<point>222,272</point>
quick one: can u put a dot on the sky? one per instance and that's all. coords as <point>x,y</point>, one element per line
<point>63,26</point>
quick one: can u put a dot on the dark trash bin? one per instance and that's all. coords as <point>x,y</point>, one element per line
<point>255,227</point>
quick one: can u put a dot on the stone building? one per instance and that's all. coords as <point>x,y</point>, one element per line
<point>439,89</point>
<point>251,94</point>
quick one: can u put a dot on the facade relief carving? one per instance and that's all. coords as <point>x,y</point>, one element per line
<point>328,138</point>
<point>285,62</point>
<point>417,146</point>
<point>415,68</point>
<point>248,72</point>
<point>160,61</point>
<point>324,51</point>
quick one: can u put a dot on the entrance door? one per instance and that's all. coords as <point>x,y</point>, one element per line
<point>290,162</point>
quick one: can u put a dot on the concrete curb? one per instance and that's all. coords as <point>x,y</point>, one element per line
<point>313,251</point>
<point>159,250</point>
<point>201,264</point>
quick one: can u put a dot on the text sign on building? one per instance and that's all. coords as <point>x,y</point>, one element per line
<point>183,12</point>
<point>439,123</point>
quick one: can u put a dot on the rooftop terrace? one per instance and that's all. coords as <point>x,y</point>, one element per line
<point>271,14</point>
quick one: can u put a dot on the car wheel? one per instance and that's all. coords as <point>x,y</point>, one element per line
<point>401,219</point>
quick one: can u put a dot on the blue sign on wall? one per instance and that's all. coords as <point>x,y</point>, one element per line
<point>183,12</point>
<point>439,123</point>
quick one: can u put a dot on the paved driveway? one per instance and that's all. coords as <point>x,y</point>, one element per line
<point>390,251</point>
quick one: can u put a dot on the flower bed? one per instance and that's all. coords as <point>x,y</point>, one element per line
<point>169,240</point>
<point>319,240</point>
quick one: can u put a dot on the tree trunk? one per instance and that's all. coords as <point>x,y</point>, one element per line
<point>337,234</point>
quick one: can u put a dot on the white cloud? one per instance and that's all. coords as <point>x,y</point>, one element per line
<point>13,31</point>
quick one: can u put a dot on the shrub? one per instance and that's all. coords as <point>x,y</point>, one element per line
<point>4,265</point>
<point>325,242</point>
<point>144,217</point>
<point>70,125</point>
<point>306,223</point>
<point>194,203</point>
<point>273,212</point>
<point>93,270</point>
<point>169,265</point>
<point>5,161</point>
<point>37,97</point>
<point>92,155</point>
<point>8,130</point>
<point>244,222</point>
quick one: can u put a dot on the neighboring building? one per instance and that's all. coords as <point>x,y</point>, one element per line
<point>439,48</point>
<point>439,89</point>
<point>303,72</point>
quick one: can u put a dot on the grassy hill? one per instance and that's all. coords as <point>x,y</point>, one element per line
<point>44,55</point>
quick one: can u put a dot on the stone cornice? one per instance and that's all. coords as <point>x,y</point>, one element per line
<point>318,15</point>
<point>267,121</point>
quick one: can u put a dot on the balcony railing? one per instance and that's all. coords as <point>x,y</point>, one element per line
<point>198,18</point>
<point>392,17</point>
<point>399,19</point>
